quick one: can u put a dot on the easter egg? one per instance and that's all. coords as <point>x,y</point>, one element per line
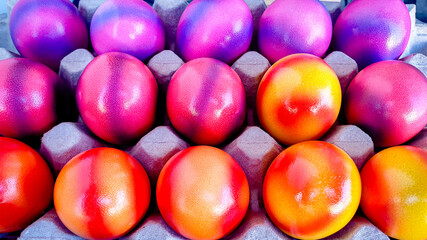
<point>102,193</point>
<point>372,31</point>
<point>117,96</point>
<point>388,100</point>
<point>294,26</point>
<point>128,26</point>
<point>26,185</point>
<point>28,98</point>
<point>206,101</point>
<point>298,99</point>
<point>220,29</point>
<point>312,190</point>
<point>394,195</point>
<point>46,31</point>
<point>202,193</point>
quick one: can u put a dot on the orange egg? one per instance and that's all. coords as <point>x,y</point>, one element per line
<point>26,185</point>
<point>102,193</point>
<point>202,193</point>
<point>394,193</point>
<point>298,99</point>
<point>312,190</point>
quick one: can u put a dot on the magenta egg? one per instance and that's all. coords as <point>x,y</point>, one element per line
<point>388,100</point>
<point>48,30</point>
<point>27,98</point>
<point>206,101</point>
<point>116,96</point>
<point>220,29</point>
<point>128,26</point>
<point>372,31</point>
<point>294,26</point>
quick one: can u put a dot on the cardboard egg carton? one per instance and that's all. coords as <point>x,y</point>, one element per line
<point>253,148</point>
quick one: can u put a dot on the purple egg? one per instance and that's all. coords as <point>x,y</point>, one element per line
<point>372,31</point>
<point>128,26</point>
<point>294,26</point>
<point>48,30</point>
<point>220,29</point>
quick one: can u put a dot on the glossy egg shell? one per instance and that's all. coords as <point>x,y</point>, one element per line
<point>206,101</point>
<point>26,185</point>
<point>388,100</point>
<point>220,29</point>
<point>298,99</point>
<point>48,30</point>
<point>372,31</point>
<point>102,193</point>
<point>394,193</point>
<point>129,26</point>
<point>312,190</point>
<point>294,26</point>
<point>27,98</point>
<point>117,96</point>
<point>202,193</point>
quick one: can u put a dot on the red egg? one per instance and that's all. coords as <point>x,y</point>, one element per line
<point>388,100</point>
<point>28,98</point>
<point>102,193</point>
<point>26,185</point>
<point>202,193</point>
<point>206,101</point>
<point>117,96</point>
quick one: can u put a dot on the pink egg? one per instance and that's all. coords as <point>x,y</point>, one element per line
<point>220,29</point>
<point>294,26</point>
<point>388,100</point>
<point>129,26</point>
<point>117,96</point>
<point>206,101</point>
<point>28,98</point>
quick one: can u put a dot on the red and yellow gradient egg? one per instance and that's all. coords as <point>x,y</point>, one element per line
<point>102,193</point>
<point>298,99</point>
<point>394,193</point>
<point>26,185</point>
<point>202,193</point>
<point>312,190</point>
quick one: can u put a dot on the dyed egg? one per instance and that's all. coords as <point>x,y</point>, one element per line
<point>206,101</point>
<point>388,100</point>
<point>26,185</point>
<point>202,193</point>
<point>294,26</point>
<point>372,31</point>
<point>27,98</point>
<point>298,99</point>
<point>220,29</point>
<point>394,195</point>
<point>48,30</point>
<point>117,96</point>
<point>102,193</point>
<point>312,190</point>
<point>128,26</point>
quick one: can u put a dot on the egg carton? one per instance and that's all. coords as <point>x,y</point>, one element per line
<point>253,148</point>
